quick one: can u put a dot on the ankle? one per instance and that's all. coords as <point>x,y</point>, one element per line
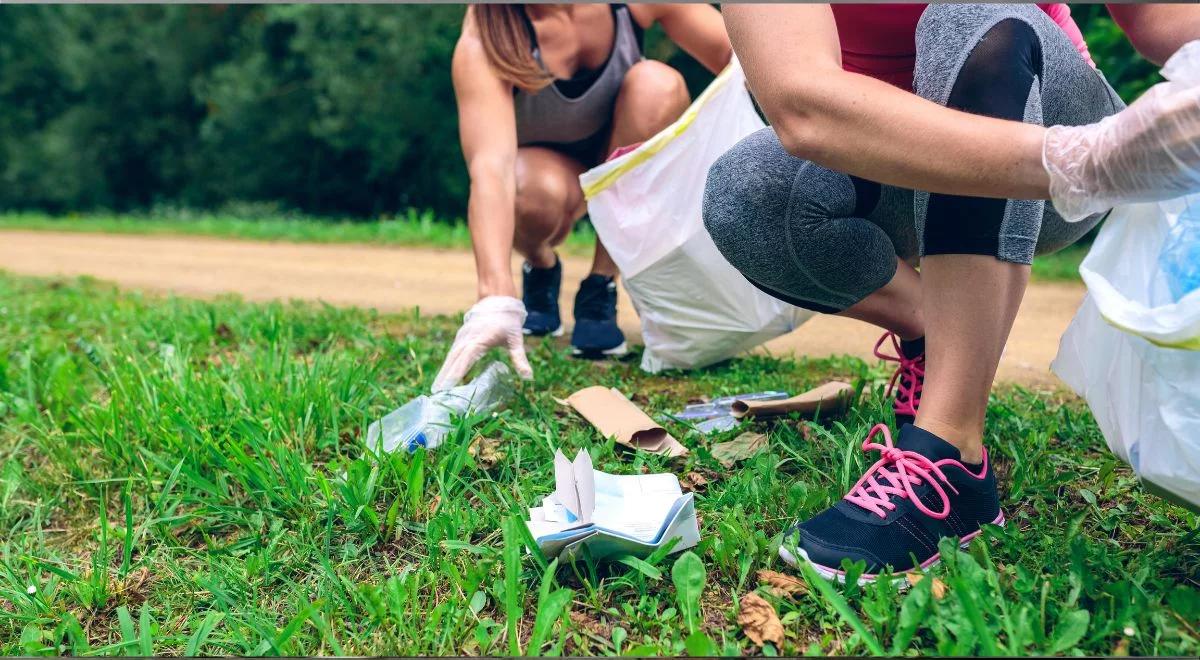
<point>542,259</point>
<point>968,440</point>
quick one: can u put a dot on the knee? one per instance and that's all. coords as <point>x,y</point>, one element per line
<point>747,191</point>
<point>541,205</point>
<point>653,92</point>
<point>1002,50</point>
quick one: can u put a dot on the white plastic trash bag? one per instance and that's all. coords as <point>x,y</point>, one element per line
<point>695,308</point>
<point>1133,351</point>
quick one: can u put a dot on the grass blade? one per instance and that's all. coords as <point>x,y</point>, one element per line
<point>198,638</point>
<point>839,605</point>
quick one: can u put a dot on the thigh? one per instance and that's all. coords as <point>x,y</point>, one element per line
<point>1067,88</point>
<point>1013,62</point>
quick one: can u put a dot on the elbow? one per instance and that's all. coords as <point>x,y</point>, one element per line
<point>490,168</point>
<point>1151,48</point>
<point>803,117</point>
<point>800,137</point>
<point>1157,44</point>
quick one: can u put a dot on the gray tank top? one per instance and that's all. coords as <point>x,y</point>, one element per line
<point>552,117</point>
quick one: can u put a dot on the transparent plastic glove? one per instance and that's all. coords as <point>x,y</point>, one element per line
<point>1149,151</point>
<point>493,321</point>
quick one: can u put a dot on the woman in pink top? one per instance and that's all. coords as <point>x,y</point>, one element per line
<point>907,135</point>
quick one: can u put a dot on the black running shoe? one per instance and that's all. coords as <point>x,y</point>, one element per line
<point>596,333</point>
<point>917,493</point>
<point>539,292</point>
<point>909,378</point>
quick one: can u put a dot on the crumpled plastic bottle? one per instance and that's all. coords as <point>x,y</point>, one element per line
<point>425,421</point>
<point>1180,255</point>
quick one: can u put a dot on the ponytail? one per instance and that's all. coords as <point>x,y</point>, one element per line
<point>504,31</point>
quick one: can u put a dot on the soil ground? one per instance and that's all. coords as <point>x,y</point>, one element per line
<point>395,279</point>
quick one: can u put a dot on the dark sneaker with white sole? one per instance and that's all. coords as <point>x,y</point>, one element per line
<point>916,494</point>
<point>909,378</point>
<point>539,292</point>
<point>596,333</point>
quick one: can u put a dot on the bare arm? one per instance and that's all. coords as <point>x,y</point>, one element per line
<point>1158,30</point>
<point>861,126</point>
<point>696,28</point>
<point>487,131</point>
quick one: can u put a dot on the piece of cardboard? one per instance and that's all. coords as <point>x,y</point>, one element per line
<point>832,397</point>
<point>615,416</point>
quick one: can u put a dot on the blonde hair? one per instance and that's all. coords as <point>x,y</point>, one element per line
<point>504,32</point>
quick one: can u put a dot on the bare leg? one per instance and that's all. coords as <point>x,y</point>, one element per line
<point>895,307</point>
<point>549,201</point>
<point>652,96</point>
<point>970,302</point>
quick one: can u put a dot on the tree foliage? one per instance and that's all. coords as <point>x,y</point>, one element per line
<point>330,109</point>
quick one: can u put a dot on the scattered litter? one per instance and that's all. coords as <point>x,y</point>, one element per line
<point>486,452</point>
<point>938,588</point>
<point>832,397</point>
<point>615,416</point>
<point>759,621</point>
<point>611,514</point>
<point>740,448</point>
<point>716,415</point>
<point>693,481</point>
<point>717,424</point>
<point>1180,255</point>
<point>721,406</point>
<point>425,421</point>
<point>780,584</point>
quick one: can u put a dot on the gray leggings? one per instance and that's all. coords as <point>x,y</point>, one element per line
<point>825,240</point>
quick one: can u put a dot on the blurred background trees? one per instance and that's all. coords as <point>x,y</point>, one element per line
<point>341,110</point>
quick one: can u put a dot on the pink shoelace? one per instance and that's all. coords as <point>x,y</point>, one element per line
<point>908,379</point>
<point>896,473</point>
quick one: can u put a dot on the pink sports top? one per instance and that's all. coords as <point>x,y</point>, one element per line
<point>880,40</point>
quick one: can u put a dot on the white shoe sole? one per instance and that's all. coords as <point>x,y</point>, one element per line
<point>898,579</point>
<point>557,332</point>
<point>616,351</point>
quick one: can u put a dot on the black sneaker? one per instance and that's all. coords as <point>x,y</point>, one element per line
<point>917,493</point>
<point>539,292</point>
<point>596,333</point>
<point>909,378</point>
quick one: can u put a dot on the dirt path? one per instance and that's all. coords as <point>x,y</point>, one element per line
<point>437,281</point>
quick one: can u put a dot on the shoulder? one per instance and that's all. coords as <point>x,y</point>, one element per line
<point>469,48</point>
<point>647,14</point>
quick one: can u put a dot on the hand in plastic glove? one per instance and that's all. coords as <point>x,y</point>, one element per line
<point>493,321</point>
<point>1148,152</point>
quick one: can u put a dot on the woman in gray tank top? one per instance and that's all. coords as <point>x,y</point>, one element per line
<point>544,93</point>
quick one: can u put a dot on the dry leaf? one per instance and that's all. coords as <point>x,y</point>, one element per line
<point>739,449</point>
<point>693,481</point>
<point>759,621</point>
<point>938,587</point>
<point>782,585</point>
<point>588,622</point>
<point>486,452</point>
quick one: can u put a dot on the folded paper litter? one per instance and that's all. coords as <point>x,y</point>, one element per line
<point>615,416</point>
<point>611,514</point>
<point>832,397</point>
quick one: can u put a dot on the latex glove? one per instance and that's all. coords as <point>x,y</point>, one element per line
<point>493,321</point>
<point>1149,151</point>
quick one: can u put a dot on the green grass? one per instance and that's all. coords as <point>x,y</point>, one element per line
<point>413,228</point>
<point>185,477</point>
